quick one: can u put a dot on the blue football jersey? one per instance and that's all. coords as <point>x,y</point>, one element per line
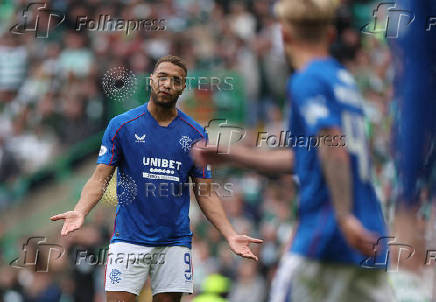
<point>414,57</point>
<point>324,95</point>
<point>154,166</point>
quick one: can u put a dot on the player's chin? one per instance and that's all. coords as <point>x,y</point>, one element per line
<point>166,100</point>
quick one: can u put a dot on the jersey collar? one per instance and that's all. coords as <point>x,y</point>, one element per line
<point>170,125</point>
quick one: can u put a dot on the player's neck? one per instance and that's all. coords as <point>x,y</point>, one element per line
<point>162,115</point>
<point>303,55</point>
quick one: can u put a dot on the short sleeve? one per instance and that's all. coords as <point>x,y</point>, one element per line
<point>204,171</point>
<point>316,106</point>
<point>201,172</point>
<point>110,148</point>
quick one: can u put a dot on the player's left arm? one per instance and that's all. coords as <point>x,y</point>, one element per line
<point>211,205</point>
<point>335,162</point>
<point>322,114</point>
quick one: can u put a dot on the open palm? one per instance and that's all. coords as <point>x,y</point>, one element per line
<point>240,245</point>
<point>73,221</point>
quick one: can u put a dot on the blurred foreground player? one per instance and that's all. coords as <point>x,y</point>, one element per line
<point>340,218</point>
<point>150,146</point>
<point>414,56</point>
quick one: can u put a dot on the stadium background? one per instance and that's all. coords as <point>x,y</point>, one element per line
<point>53,110</point>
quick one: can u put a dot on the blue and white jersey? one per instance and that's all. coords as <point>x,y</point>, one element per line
<point>324,95</point>
<point>154,166</point>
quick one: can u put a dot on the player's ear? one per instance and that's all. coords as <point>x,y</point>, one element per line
<point>286,33</point>
<point>150,80</point>
<point>331,34</point>
<point>184,85</point>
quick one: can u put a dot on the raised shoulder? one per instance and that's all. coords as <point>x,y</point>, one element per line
<point>117,122</point>
<point>197,129</point>
<point>306,85</point>
<point>129,115</point>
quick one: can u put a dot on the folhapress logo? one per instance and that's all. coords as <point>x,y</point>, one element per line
<point>388,19</point>
<point>36,249</point>
<point>40,20</point>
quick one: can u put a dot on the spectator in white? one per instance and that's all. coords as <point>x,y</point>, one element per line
<point>13,60</point>
<point>76,58</point>
<point>243,23</point>
<point>36,84</point>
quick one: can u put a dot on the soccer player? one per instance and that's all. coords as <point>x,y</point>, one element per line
<point>150,146</point>
<point>415,135</point>
<point>339,217</point>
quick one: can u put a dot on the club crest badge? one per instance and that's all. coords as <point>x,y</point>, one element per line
<point>186,143</point>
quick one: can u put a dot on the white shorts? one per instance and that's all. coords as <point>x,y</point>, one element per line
<point>128,266</point>
<point>305,280</point>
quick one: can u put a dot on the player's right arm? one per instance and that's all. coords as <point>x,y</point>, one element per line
<point>91,194</point>
<point>108,158</point>
<point>277,161</point>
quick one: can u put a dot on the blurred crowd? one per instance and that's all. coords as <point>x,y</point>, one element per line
<point>49,86</point>
<point>51,97</point>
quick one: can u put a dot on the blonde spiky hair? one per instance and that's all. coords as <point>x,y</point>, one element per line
<point>307,18</point>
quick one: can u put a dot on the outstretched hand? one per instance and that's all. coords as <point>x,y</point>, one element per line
<point>73,221</point>
<point>204,154</point>
<point>240,245</point>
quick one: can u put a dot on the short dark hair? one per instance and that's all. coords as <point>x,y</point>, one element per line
<point>174,60</point>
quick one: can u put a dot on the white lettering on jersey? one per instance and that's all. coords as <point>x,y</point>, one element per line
<point>346,77</point>
<point>103,150</point>
<point>161,163</point>
<point>315,109</point>
<point>348,95</point>
<point>158,176</point>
